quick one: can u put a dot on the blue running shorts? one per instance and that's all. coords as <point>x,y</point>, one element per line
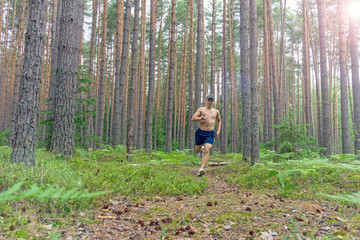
<point>202,137</point>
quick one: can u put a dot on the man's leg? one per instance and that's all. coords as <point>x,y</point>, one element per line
<point>206,154</point>
<point>197,148</point>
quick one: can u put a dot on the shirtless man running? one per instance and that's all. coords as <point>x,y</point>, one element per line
<point>204,136</point>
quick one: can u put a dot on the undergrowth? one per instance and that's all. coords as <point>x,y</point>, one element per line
<point>104,171</point>
<point>311,177</point>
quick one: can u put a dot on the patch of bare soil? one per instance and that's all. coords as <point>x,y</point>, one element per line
<point>221,212</point>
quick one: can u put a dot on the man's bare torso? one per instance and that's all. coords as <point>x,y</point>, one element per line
<point>210,115</point>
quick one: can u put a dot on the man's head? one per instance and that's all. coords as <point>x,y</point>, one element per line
<point>210,100</point>
<point>210,97</point>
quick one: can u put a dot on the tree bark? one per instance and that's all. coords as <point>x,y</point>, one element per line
<point>19,62</point>
<point>355,80</point>
<point>140,139</point>
<point>120,94</point>
<point>272,64</point>
<point>119,36</point>
<point>245,80</point>
<point>55,28</point>
<point>212,84</point>
<point>3,77</point>
<point>306,72</point>
<point>199,53</point>
<point>343,83</point>
<point>101,96</point>
<point>233,123</point>
<point>158,108</point>
<point>169,113</point>
<point>63,137</point>
<point>254,83</point>
<point>191,125</point>
<point>27,126</point>
<point>224,133</point>
<point>150,108</point>
<point>90,105</point>
<point>134,50</point>
<point>266,86</point>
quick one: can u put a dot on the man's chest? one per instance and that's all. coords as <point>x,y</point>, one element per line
<point>209,114</point>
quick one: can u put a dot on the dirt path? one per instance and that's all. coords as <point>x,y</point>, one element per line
<point>221,212</point>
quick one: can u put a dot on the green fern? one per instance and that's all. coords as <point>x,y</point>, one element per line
<point>15,193</point>
<point>351,197</point>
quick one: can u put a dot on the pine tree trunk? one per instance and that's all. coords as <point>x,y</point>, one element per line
<point>90,106</point>
<point>55,28</point>
<point>117,108</point>
<point>183,87</point>
<point>120,94</point>
<point>140,139</point>
<point>343,83</point>
<point>282,62</point>
<point>101,96</point>
<point>169,113</point>
<point>254,82</point>
<point>158,108</point>
<point>124,109</point>
<point>318,108</point>
<point>150,108</point>
<point>19,62</point>
<point>232,80</point>
<point>3,72</point>
<point>212,84</point>
<point>355,80</point>
<point>224,132</point>
<point>306,72</point>
<point>134,50</point>
<point>66,76</point>
<point>176,93</point>
<point>27,126</point>
<point>1,19</point>
<point>245,80</point>
<point>12,62</point>
<point>266,86</point>
<point>191,125</point>
<point>46,77</point>
<point>199,53</point>
<point>272,64</point>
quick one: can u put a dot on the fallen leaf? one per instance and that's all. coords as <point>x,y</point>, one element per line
<point>114,202</point>
<point>272,233</point>
<point>227,227</point>
<point>266,236</point>
<point>49,227</point>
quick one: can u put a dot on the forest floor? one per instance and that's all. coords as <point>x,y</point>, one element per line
<point>222,211</point>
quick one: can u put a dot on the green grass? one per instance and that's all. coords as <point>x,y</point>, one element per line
<point>300,178</point>
<point>102,170</point>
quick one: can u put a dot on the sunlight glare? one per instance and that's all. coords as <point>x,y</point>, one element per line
<point>354,9</point>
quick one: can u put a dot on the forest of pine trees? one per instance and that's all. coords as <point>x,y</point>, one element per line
<point>81,73</point>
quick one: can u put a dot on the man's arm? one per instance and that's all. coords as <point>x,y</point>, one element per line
<point>218,123</point>
<point>197,116</point>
